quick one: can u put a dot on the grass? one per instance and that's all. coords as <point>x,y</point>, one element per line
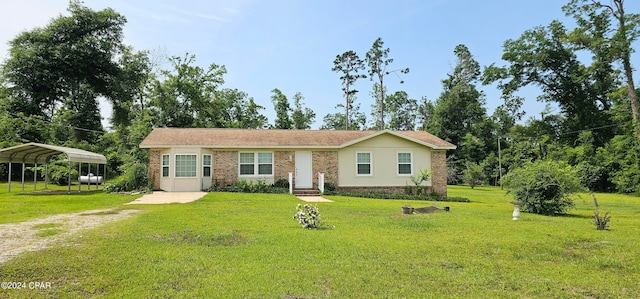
<point>16,206</point>
<point>230,245</point>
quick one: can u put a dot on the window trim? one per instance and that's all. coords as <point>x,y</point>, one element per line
<point>205,166</point>
<point>167,166</point>
<point>256,164</point>
<point>370,163</point>
<point>175,161</point>
<point>398,163</point>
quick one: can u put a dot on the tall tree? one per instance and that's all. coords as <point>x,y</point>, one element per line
<point>282,108</point>
<point>72,54</point>
<point>185,98</point>
<point>240,110</point>
<point>337,121</point>
<point>302,117</point>
<point>593,16</point>
<point>544,58</point>
<point>348,64</point>
<point>401,111</point>
<point>378,62</point>
<point>460,105</point>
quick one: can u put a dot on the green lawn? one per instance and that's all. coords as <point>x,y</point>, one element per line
<point>16,206</point>
<point>249,246</point>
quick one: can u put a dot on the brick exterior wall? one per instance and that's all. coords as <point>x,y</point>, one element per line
<point>439,172</point>
<point>225,168</point>
<point>325,162</point>
<point>283,164</point>
<point>155,158</point>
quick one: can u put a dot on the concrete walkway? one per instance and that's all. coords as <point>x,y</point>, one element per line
<point>313,199</point>
<point>160,197</point>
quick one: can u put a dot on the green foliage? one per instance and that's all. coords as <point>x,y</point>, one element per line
<point>473,175</point>
<point>307,216</point>
<point>302,117</point>
<point>281,186</point>
<point>59,173</point>
<point>329,186</point>
<point>281,183</point>
<point>419,178</point>
<point>135,177</point>
<point>348,64</point>
<point>543,187</point>
<point>601,221</point>
<point>282,108</point>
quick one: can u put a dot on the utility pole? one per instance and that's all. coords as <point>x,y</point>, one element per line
<point>500,162</point>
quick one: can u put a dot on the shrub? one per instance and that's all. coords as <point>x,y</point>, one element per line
<point>308,216</point>
<point>329,186</point>
<point>419,178</point>
<point>473,174</point>
<point>59,173</point>
<point>250,187</point>
<point>135,177</point>
<point>281,183</point>
<point>543,187</point>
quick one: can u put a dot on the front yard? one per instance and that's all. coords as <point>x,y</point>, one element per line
<point>248,246</point>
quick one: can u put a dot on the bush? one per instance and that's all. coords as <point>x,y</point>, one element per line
<point>251,187</point>
<point>543,187</point>
<point>308,216</point>
<point>135,177</point>
<point>281,183</point>
<point>329,186</point>
<point>59,173</point>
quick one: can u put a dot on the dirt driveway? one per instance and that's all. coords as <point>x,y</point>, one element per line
<point>41,233</point>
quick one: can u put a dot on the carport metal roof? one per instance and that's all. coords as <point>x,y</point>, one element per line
<point>33,153</point>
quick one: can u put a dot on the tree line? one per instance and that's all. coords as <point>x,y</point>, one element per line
<point>55,76</point>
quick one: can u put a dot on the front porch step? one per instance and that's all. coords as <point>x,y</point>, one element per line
<point>306,192</point>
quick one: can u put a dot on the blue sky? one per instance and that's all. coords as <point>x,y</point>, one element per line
<point>291,44</point>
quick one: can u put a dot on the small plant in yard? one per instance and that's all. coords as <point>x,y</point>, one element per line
<point>419,178</point>
<point>308,216</point>
<point>601,222</point>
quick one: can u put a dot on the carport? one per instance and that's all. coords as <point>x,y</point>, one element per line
<point>36,153</point>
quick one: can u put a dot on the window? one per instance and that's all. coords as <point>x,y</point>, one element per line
<point>246,164</point>
<point>256,163</point>
<point>165,166</point>
<point>185,166</point>
<point>363,163</point>
<point>206,165</point>
<point>265,163</point>
<point>404,164</point>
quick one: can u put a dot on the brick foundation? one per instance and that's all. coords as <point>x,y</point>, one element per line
<point>385,189</point>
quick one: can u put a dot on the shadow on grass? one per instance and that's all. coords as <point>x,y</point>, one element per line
<point>61,192</point>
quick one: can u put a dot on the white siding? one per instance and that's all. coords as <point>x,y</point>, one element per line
<point>384,151</point>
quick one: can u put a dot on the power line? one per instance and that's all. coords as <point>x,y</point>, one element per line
<point>47,122</point>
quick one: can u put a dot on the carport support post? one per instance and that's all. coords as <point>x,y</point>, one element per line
<point>69,176</point>
<point>22,176</point>
<point>79,174</point>
<point>35,175</point>
<point>46,174</point>
<point>9,178</point>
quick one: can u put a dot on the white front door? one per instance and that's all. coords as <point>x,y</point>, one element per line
<point>303,170</point>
